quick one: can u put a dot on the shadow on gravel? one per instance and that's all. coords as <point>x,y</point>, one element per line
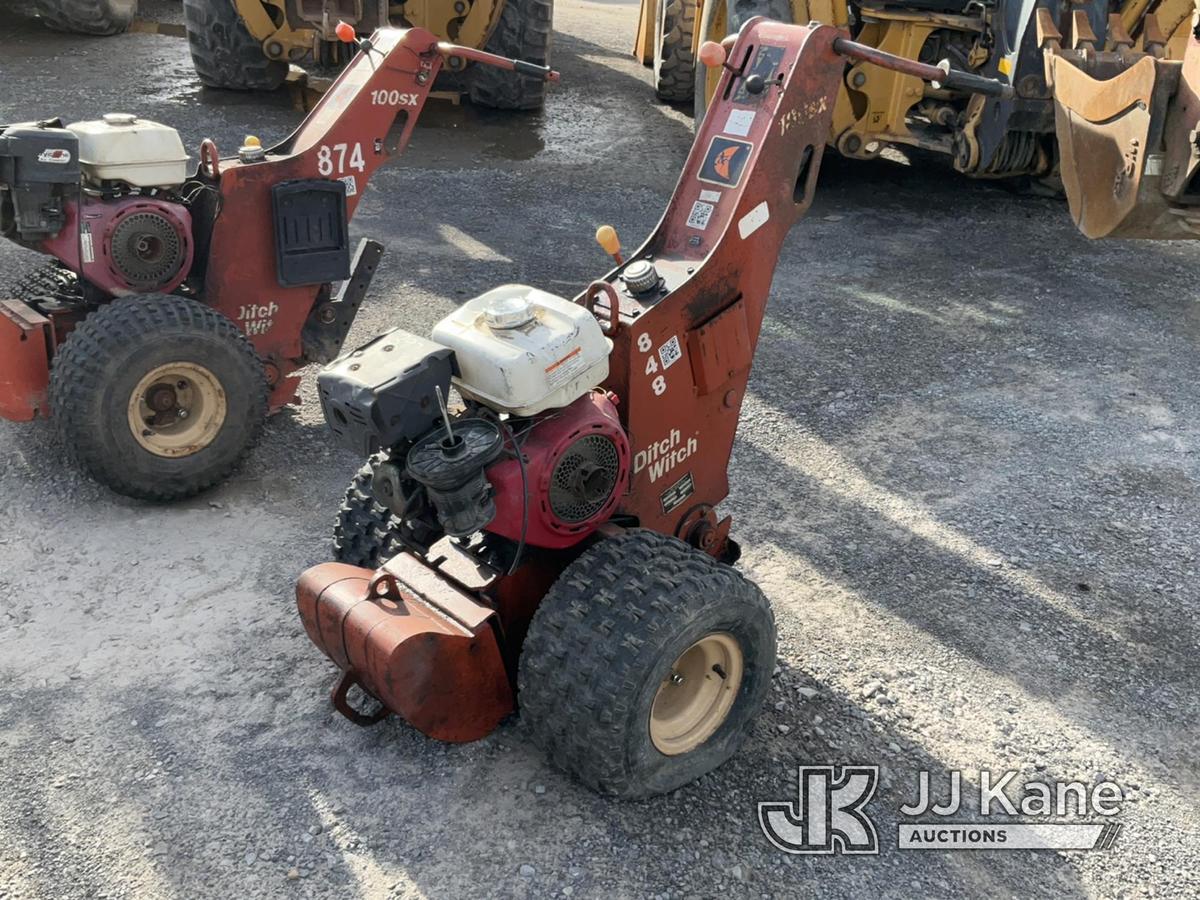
<point>267,788</point>
<point>1041,628</point>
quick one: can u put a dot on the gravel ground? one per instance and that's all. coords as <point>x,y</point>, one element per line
<point>967,478</point>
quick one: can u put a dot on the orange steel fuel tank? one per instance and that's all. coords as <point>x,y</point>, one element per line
<point>406,635</point>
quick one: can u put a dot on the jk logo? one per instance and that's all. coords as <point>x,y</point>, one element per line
<point>829,816</point>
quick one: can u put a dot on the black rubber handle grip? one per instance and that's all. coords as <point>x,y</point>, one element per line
<point>976,84</point>
<point>527,68</point>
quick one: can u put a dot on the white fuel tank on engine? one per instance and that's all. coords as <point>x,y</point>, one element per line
<point>122,147</point>
<point>522,351</point>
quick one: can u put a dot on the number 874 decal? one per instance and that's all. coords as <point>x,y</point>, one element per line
<point>337,159</point>
<point>658,363</point>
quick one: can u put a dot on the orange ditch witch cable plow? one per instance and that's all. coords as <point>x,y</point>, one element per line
<point>177,307</point>
<point>559,534</point>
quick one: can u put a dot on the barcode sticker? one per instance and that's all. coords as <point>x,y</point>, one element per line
<point>669,352</point>
<point>701,213</point>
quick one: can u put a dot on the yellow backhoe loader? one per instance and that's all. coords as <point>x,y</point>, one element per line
<point>1112,108</point>
<point>248,44</point>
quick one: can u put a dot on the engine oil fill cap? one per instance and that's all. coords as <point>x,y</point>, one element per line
<point>119,118</point>
<point>512,311</point>
<point>640,276</point>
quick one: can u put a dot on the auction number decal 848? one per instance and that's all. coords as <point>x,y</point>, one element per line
<point>659,383</point>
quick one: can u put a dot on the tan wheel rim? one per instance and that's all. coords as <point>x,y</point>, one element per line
<point>177,409</point>
<point>697,694</point>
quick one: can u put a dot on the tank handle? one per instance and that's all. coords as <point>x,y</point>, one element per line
<point>209,159</point>
<point>342,705</point>
<point>592,294</point>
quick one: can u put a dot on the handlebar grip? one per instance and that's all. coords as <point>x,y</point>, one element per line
<point>521,67</point>
<point>976,84</point>
<point>940,75</point>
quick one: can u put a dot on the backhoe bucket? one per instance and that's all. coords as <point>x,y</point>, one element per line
<point>425,649</point>
<point>1126,131</point>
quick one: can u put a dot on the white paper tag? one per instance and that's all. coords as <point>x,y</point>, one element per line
<point>710,196</point>
<point>739,122</point>
<point>350,183</point>
<point>753,220</point>
<point>85,242</point>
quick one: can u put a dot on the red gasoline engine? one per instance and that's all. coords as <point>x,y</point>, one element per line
<point>556,534</point>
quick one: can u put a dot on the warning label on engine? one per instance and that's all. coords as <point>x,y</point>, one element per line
<point>563,370</point>
<point>677,493</point>
<point>85,243</point>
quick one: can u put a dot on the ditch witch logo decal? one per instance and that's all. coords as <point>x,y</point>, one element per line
<point>830,815</point>
<point>725,161</point>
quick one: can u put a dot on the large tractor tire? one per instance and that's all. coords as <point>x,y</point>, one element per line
<point>366,533</point>
<point>718,20</point>
<point>645,664</point>
<point>158,397</point>
<point>674,62</point>
<point>101,17</point>
<point>224,53</point>
<point>523,32</point>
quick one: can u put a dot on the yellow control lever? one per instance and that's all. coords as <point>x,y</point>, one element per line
<point>606,237</point>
